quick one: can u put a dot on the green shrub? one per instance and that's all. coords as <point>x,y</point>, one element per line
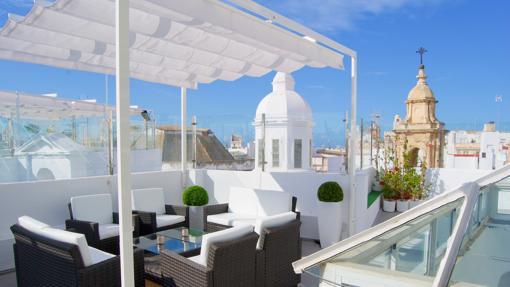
<point>330,191</point>
<point>388,193</point>
<point>195,195</point>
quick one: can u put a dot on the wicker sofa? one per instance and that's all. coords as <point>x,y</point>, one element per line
<point>46,256</point>
<point>227,258</point>
<point>93,216</point>
<point>153,214</point>
<point>245,205</point>
<point>278,246</point>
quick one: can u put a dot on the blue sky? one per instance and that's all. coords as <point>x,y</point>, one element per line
<point>468,64</point>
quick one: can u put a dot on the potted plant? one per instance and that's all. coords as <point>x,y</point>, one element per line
<point>421,190</point>
<point>403,201</point>
<point>330,196</point>
<point>388,195</point>
<point>195,197</point>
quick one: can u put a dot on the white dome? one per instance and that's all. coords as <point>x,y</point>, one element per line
<point>283,102</point>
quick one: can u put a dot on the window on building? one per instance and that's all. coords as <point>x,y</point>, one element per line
<point>261,152</point>
<point>310,153</point>
<point>276,153</point>
<point>298,149</point>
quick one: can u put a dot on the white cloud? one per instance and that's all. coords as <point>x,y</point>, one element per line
<point>330,15</point>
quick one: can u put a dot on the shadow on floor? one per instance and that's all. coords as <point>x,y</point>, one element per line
<point>8,279</point>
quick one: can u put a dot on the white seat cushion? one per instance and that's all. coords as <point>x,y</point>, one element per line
<point>71,238</point>
<point>149,200</point>
<point>108,230</point>
<point>221,236</point>
<point>167,219</point>
<point>271,221</point>
<point>98,255</point>
<point>94,208</point>
<point>195,259</point>
<point>31,224</point>
<point>242,200</point>
<point>232,219</point>
<point>272,202</point>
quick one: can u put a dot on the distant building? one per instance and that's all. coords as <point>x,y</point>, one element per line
<point>329,160</point>
<point>421,129</point>
<point>236,148</point>
<point>283,128</point>
<point>487,149</point>
<point>210,152</point>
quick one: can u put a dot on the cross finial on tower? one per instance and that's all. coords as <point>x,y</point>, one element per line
<point>421,51</point>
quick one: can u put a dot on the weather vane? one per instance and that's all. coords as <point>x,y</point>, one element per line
<point>421,51</point>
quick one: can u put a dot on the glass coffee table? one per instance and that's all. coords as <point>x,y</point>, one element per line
<point>182,240</point>
<point>174,240</point>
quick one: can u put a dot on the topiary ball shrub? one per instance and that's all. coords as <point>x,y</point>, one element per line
<point>330,191</point>
<point>195,195</point>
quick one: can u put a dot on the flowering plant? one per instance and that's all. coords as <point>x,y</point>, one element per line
<point>403,181</point>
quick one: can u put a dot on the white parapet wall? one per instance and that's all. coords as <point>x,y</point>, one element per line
<point>445,179</point>
<point>301,184</point>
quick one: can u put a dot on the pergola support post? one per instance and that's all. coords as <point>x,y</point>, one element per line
<point>184,138</point>
<point>123,147</point>
<point>352,150</point>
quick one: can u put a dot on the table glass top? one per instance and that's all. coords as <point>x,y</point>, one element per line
<point>171,239</point>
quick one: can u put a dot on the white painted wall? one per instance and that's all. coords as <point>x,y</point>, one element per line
<point>461,162</point>
<point>302,184</point>
<point>445,179</point>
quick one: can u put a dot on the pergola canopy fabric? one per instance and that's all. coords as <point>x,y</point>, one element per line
<point>174,42</point>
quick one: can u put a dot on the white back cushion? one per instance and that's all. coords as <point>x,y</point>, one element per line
<point>31,224</point>
<point>94,208</point>
<point>221,236</point>
<point>272,202</point>
<point>271,221</point>
<point>242,200</point>
<point>148,199</point>
<point>71,238</point>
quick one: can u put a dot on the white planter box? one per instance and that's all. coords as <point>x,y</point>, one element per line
<point>389,205</point>
<point>376,186</point>
<point>414,203</point>
<point>330,222</point>
<point>196,217</point>
<point>402,205</point>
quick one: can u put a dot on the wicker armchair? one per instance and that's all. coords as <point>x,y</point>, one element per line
<point>153,214</point>
<point>229,263</point>
<point>224,208</point>
<point>93,216</point>
<point>41,261</point>
<point>281,245</point>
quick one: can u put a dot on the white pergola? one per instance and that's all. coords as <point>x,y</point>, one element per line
<point>51,107</point>
<point>174,42</point>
